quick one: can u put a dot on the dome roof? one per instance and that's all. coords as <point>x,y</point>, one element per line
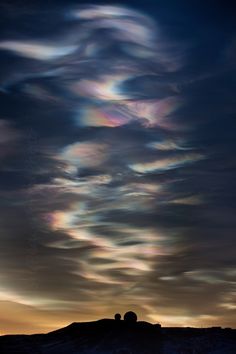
<point>117,316</point>
<point>130,316</point>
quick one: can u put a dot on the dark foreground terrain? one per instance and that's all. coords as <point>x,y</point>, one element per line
<point>118,337</point>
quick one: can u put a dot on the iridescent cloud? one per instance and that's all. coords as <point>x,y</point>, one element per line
<point>107,88</point>
<point>149,113</point>
<point>103,117</point>
<point>125,23</point>
<point>165,164</point>
<point>168,145</point>
<point>154,112</point>
<point>86,154</point>
<point>34,50</point>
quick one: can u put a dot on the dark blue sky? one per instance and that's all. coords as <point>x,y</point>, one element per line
<point>117,178</point>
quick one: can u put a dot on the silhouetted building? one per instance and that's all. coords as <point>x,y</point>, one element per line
<point>130,316</point>
<point>117,317</point>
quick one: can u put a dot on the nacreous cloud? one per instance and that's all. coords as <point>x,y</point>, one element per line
<point>34,50</point>
<point>165,164</point>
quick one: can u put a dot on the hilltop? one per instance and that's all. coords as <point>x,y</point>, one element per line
<point>109,336</point>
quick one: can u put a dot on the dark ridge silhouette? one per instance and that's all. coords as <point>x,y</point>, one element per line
<point>116,336</point>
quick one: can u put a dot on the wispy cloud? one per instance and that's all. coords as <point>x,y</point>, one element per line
<point>34,50</point>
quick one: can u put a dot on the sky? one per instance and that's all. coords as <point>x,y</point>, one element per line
<point>117,163</point>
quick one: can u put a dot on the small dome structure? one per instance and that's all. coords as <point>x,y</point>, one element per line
<point>130,316</point>
<point>117,317</point>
